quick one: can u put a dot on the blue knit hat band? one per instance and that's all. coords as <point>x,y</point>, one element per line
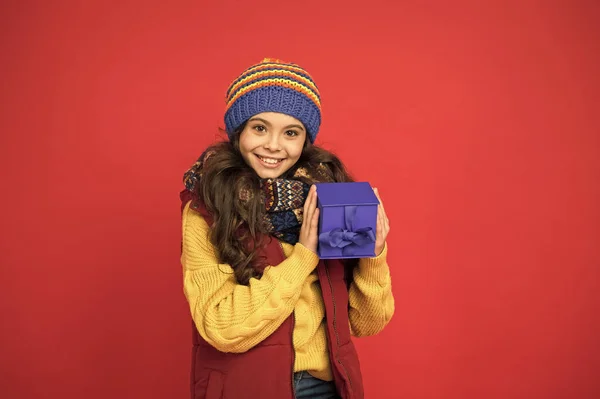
<point>274,99</point>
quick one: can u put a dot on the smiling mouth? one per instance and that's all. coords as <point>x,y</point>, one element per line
<point>270,162</point>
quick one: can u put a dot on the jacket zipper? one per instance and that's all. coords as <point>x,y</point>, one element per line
<point>337,337</point>
<point>293,327</point>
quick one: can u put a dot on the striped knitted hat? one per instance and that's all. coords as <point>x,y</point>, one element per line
<point>273,86</point>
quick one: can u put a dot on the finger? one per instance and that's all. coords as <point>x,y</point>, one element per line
<point>314,224</point>
<point>312,202</point>
<point>385,218</point>
<point>379,198</point>
<point>380,225</point>
<point>307,211</point>
<point>380,234</point>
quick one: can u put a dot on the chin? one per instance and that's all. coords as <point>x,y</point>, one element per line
<point>270,173</point>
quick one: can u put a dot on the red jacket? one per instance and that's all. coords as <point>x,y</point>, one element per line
<point>266,370</point>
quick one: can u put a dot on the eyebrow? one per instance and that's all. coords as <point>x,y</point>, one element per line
<point>266,122</point>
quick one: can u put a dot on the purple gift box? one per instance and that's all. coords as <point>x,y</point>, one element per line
<point>347,220</point>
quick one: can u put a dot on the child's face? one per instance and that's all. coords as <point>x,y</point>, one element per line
<point>271,143</point>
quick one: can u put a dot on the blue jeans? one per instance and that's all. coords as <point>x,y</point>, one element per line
<point>307,386</point>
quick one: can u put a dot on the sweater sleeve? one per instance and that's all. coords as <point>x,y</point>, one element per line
<point>230,316</point>
<point>371,302</point>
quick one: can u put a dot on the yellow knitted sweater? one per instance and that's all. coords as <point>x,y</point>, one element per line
<point>234,318</point>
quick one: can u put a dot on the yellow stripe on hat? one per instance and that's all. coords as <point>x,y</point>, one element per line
<point>291,67</point>
<point>273,72</point>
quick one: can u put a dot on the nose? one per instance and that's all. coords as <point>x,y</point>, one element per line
<point>272,142</point>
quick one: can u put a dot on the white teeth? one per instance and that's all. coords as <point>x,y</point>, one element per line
<point>270,160</point>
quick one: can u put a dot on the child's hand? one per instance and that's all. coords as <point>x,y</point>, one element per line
<point>310,224</point>
<point>383,226</point>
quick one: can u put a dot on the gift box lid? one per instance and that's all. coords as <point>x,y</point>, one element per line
<point>342,194</point>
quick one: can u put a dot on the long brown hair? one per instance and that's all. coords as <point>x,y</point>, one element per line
<point>237,232</point>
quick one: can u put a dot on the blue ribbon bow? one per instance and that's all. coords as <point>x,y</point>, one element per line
<point>348,239</point>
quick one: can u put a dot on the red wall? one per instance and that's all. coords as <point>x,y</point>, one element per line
<point>479,124</point>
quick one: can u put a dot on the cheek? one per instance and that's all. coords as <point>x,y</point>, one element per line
<point>244,142</point>
<point>245,147</point>
<point>294,151</point>
<point>247,144</point>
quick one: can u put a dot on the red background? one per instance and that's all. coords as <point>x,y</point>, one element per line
<point>478,122</point>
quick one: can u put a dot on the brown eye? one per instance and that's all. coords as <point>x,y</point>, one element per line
<point>291,133</point>
<point>260,128</point>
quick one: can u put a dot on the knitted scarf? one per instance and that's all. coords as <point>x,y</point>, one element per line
<point>283,199</point>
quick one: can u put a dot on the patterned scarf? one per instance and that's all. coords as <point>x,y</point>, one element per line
<point>283,198</point>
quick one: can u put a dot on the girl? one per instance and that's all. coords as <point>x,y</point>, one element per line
<point>271,320</point>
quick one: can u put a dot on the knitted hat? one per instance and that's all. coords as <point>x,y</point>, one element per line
<point>273,86</point>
